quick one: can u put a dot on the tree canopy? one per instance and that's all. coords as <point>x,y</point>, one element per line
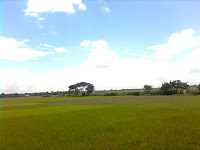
<point>173,87</point>
<point>82,87</point>
<point>147,87</point>
<point>198,86</point>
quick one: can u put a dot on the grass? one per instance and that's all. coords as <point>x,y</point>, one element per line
<point>39,99</point>
<point>168,123</point>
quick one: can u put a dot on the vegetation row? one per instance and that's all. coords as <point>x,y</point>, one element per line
<point>175,87</point>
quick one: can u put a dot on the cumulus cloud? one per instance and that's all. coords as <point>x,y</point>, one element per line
<point>177,43</point>
<point>192,63</point>
<point>12,49</point>
<point>61,50</point>
<point>100,56</point>
<point>105,70</point>
<point>85,43</point>
<point>34,7</point>
<point>99,44</point>
<point>96,44</point>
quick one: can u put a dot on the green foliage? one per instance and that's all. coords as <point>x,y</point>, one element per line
<point>180,91</point>
<point>198,87</point>
<point>166,89</point>
<point>136,93</point>
<point>174,87</point>
<point>83,87</point>
<point>193,91</point>
<point>46,95</point>
<point>155,92</point>
<point>148,87</point>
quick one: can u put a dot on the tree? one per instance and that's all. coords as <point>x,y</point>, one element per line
<point>173,87</point>
<point>177,84</point>
<point>147,87</point>
<point>165,89</point>
<point>198,86</point>
<point>82,87</point>
<point>90,88</point>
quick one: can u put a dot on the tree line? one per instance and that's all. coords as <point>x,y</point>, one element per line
<point>85,89</point>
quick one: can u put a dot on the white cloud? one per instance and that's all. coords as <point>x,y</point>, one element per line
<point>102,68</point>
<point>12,49</point>
<point>58,49</point>
<point>38,6</point>
<point>46,45</point>
<point>61,49</point>
<point>25,41</point>
<point>105,70</point>
<point>99,44</point>
<point>177,43</point>
<point>41,19</point>
<point>104,7</point>
<point>100,56</point>
<point>33,14</point>
<point>133,54</point>
<point>85,43</point>
<point>192,63</point>
<point>96,44</point>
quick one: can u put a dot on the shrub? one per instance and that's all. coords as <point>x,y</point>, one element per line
<point>46,95</point>
<point>193,91</point>
<point>136,93</point>
<point>180,91</point>
<point>155,92</point>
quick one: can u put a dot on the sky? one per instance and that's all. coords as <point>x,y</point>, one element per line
<point>47,45</point>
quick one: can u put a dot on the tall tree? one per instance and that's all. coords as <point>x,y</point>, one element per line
<point>82,87</point>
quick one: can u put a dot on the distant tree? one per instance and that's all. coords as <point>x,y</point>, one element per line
<point>82,87</point>
<point>147,87</point>
<point>177,84</point>
<point>165,89</point>
<point>1,95</point>
<point>198,86</point>
<point>173,87</point>
<point>90,88</point>
<point>72,88</point>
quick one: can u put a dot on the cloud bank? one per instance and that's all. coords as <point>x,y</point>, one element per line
<point>177,43</point>
<point>106,70</point>
<point>11,49</point>
<point>34,7</point>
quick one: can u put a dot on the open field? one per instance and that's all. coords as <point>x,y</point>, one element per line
<point>130,122</point>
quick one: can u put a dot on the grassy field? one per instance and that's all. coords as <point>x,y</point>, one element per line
<point>131,122</point>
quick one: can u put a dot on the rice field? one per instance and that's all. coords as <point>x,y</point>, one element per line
<point>129,122</point>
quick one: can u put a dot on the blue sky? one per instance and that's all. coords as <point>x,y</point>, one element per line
<point>129,43</point>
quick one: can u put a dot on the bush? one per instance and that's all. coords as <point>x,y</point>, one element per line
<point>193,91</point>
<point>136,93</point>
<point>180,91</point>
<point>110,94</point>
<point>46,95</point>
<point>155,92</point>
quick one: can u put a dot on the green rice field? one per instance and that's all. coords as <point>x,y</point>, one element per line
<point>102,123</point>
